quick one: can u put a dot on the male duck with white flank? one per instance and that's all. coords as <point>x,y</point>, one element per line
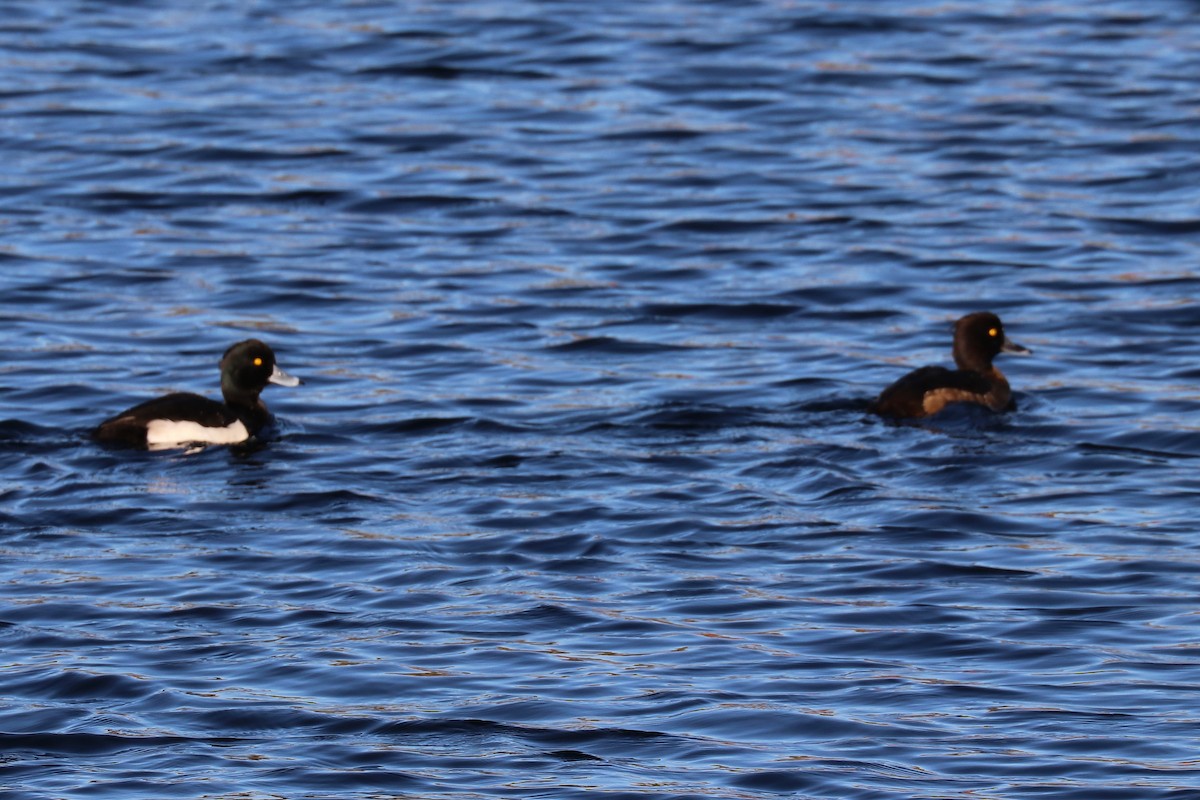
<point>183,418</point>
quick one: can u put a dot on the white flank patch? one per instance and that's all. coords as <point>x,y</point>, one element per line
<point>161,433</point>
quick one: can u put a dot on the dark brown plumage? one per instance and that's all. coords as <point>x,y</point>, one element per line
<point>978,338</point>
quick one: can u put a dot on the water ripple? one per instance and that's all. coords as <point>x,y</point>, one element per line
<point>581,493</point>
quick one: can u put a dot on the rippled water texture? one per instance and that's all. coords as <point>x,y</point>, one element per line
<point>580,497</point>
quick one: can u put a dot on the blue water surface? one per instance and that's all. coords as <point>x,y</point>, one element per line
<point>581,497</point>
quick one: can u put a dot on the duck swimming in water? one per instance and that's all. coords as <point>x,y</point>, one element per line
<point>978,339</point>
<point>183,418</point>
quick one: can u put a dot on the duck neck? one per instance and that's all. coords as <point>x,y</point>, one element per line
<point>246,404</point>
<point>971,361</point>
<point>235,396</point>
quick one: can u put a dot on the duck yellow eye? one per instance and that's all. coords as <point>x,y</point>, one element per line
<point>993,332</point>
<point>258,361</point>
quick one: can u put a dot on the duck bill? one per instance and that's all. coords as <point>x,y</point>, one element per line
<point>1010,346</point>
<point>281,378</point>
